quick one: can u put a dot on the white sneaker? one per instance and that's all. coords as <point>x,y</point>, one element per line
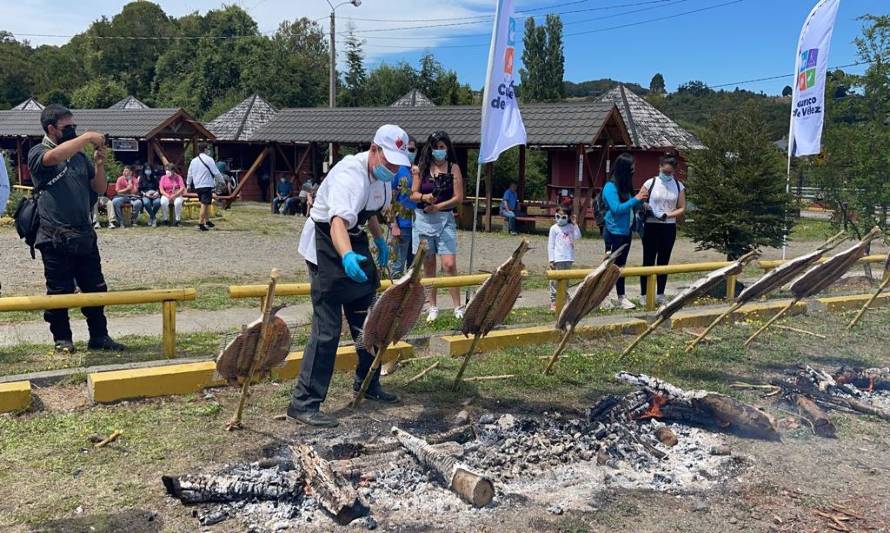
<point>659,299</point>
<point>111,225</point>
<point>624,303</point>
<point>459,312</point>
<point>433,314</point>
<point>97,225</point>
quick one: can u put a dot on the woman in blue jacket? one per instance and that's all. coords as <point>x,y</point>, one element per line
<point>620,203</point>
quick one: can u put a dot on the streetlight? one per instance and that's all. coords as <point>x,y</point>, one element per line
<point>332,96</point>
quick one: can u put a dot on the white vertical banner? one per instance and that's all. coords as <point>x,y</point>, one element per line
<point>502,126</point>
<point>808,96</point>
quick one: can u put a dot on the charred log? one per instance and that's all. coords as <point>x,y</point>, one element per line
<point>230,488</point>
<point>334,493</point>
<point>822,425</point>
<point>369,465</point>
<point>868,379</point>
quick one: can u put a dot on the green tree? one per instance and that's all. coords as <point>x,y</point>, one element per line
<point>873,47</point>
<point>554,63</point>
<point>355,78</point>
<point>15,80</point>
<point>656,85</point>
<point>787,91</point>
<point>737,185</point>
<point>531,73</point>
<point>388,83</point>
<point>99,92</point>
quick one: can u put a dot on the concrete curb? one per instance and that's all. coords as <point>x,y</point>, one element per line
<point>15,396</point>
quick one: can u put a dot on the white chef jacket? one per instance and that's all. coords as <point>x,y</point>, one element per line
<point>345,192</point>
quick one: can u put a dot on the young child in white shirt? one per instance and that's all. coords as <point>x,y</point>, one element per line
<point>561,246</point>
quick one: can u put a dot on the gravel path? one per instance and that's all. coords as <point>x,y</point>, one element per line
<point>248,242</point>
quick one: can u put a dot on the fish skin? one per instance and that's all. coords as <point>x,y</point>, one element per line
<point>496,296</point>
<point>233,362</point>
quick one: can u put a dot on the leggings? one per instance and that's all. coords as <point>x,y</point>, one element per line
<point>613,242</point>
<point>658,242</point>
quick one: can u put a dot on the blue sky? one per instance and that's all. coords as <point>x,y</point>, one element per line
<point>745,40</point>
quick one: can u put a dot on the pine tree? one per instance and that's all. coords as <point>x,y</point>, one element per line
<point>532,61</point>
<point>737,185</point>
<point>554,68</point>
<point>656,86</point>
<point>356,76</point>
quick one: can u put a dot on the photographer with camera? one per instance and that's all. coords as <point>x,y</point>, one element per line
<point>64,179</point>
<point>438,188</point>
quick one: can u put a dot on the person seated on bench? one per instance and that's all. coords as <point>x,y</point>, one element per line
<point>149,187</point>
<point>126,191</point>
<point>172,189</point>
<point>283,201</point>
<point>510,206</point>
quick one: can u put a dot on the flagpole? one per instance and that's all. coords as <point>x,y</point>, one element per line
<point>485,95</point>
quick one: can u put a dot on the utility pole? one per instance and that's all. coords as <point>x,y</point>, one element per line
<point>332,80</point>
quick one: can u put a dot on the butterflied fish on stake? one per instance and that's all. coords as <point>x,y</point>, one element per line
<point>234,361</point>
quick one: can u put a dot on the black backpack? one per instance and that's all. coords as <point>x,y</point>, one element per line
<point>27,220</point>
<point>599,209</point>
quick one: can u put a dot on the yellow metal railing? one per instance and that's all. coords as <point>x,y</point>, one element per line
<point>166,297</point>
<point>562,277</point>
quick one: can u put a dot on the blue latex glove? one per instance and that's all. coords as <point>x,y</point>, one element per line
<point>382,251</point>
<point>351,265</point>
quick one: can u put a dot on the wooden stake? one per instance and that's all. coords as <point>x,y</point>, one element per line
<point>711,326</point>
<point>770,321</point>
<point>869,302</point>
<point>423,373</point>
<point>391,333</point>
<point>652,327</point>
<point>466,360</point>
<point>559,349</point>
<point>801,331</point>
<point>262,347</point>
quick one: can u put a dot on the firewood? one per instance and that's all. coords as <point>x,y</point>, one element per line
<point>822,425</point>
<point>334,493</point>
<point>459,434</point>
<point>230,488</point>
<point>108,440</point>
<point>490,378</point>
<point>370,464</point>
<point>473,488</point>
<point>868,379</point>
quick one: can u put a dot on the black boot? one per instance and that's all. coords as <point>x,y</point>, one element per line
<point>106,344</point>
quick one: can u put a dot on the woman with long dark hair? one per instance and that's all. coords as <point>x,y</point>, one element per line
<point>620,202</point>
<point>438,188</point>
<point>667,201</point>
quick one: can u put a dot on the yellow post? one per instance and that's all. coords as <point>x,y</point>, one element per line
<point>562,293</point>
<point>168,337</point>
<point>650,292</point>
<point>730,287</point>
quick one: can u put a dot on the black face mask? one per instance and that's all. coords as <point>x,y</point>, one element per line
<point>67,133</point>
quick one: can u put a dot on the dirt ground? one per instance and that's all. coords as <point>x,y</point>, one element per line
<point>249,241</point>
<point>51,479</point>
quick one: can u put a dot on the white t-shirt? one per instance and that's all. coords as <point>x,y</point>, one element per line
<point>561,244</point>
<point>663,198</point>
<point>345,192</point>
<point>201,172</point>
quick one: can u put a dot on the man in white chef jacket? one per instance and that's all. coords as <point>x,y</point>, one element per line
<point>343,275</point>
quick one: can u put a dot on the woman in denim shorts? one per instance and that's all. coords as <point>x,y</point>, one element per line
<point>438,188</point>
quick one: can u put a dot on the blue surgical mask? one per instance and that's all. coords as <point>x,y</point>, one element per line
<point>411,156</point>
<point>439,155</point>
<point>381,173</point>
<point>665,177</point>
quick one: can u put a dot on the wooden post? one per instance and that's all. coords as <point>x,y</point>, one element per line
<point>562,290</point>
<point>521,172</point>
<point>579,150</point>
<point>272,182</point>
<point>489,173</point>
<point>730,286</point>
<point>168,336</point>
<point>285,159</point>
<point>335,154</point>
<point>18,160</point>
<point>651,287</point>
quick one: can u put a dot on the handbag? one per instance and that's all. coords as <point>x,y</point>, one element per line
<point>27,217</point>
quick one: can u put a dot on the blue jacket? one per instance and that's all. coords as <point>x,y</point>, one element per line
<point>403,198</point>
<point>619,215</point>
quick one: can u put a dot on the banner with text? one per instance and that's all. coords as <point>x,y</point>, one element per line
<point>502,126</point>
<point>808,97</point>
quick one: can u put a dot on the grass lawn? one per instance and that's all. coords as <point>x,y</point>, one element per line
<point>49,469</point>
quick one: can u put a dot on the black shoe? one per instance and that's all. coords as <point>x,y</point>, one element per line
<point>106,343</point>
<point>65,346</point>
<point>312,418</point>
<point>202,227</point>
<point>176,224</point>
<point>379,395</point>
<point>210,224</point>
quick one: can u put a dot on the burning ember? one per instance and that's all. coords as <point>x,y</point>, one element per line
<point>654,410</point>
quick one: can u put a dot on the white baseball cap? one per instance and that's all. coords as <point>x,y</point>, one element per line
<point>394,142</point>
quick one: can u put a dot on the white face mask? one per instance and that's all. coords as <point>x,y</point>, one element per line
<point>562,220</point>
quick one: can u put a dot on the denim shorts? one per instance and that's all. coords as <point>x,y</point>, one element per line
<point>441,242</point>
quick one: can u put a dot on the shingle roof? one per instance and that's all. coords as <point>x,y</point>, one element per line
<point>545,124</point>
<point>137,123</point>
<point>649,127</point>
<point>130,102</point>
<point>238,123</point>
<point>31,104</point>
<point>413,98</point>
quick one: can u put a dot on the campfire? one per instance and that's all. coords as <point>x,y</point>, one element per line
<point>658,437</point>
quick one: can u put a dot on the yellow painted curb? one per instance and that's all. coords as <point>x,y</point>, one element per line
<point>853,302</point>
<point>15,396</point>
<point>457,345</point>
<point>700,318</point>
<point>189,378</point>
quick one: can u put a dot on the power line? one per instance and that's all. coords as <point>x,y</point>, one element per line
<point>770,78</point>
